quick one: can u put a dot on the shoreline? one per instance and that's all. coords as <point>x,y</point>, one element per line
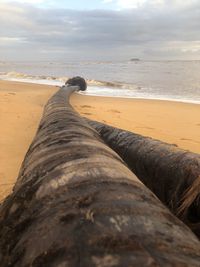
<point>185,101</point>
<point>22,105</point>
<point>59,83</point>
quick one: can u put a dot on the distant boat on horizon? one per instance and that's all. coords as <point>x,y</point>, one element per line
<point>135,59</point>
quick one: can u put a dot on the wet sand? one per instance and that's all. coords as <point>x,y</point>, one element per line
<point>21,106</point>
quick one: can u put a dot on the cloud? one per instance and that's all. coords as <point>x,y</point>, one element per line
<point>35,2</point>
<point>30,1</point>
<point>152,33</point>
<point>129,4</point>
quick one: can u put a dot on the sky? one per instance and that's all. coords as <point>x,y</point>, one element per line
<point>99,30</point>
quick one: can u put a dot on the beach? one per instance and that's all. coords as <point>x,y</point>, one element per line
<point>21,107</point>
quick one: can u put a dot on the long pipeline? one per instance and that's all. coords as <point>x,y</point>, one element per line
<point>76,203</point>
<point>173,174</point>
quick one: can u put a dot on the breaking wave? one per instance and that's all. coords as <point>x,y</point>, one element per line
<point>99,88</point>
<point>21,76</point>
<point>27,77</point>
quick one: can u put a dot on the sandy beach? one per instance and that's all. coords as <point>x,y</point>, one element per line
<point>21,106</point>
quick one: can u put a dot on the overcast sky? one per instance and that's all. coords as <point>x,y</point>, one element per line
<point>99,29</point>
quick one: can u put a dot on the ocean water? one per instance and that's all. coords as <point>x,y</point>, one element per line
<point>167,80</point>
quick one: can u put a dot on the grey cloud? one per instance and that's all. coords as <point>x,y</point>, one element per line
<point>146,32</point>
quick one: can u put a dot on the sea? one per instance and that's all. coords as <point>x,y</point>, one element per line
<point>163,80</point>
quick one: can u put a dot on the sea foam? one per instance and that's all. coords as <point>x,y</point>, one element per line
<point>96,87</point>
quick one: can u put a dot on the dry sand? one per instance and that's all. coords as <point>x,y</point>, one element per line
<point>21,106</point>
